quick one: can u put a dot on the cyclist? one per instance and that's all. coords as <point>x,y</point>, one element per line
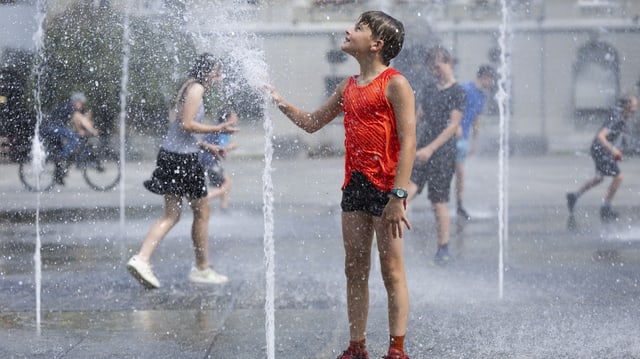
<point>67,123</point>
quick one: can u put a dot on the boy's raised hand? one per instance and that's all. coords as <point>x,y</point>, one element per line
<point>276,98</point>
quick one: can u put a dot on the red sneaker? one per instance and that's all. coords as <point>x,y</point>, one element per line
<point>349,354</point>
<point>395,354</point>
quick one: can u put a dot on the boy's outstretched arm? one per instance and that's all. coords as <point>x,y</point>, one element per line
<point>400,96</point>
<point>311,121</point>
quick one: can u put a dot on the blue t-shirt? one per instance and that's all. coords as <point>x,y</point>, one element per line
<point>473,107</point>
<point>207,158</point>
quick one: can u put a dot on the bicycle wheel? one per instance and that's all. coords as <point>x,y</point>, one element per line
<point>43,181</point>
<point>102,172</point>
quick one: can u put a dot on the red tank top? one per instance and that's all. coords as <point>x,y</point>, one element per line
<point>371,138</point>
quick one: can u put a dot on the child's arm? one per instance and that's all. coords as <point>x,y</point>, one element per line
<point>311,121</point>
<point>475,129</point>
<point>192,102</point>
<point>424,153</point>
<point>602,138</point>
<point>215,150</point>
<point>400,96</point>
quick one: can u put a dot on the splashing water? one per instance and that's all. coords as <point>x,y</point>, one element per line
<point>243,49</point>
<point>38,153</point>
<point>269,246</point>
<point>502,96</point>
<point>255,67</point>
<point>126,50</point>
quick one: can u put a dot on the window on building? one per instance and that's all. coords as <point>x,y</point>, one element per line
<point>596,80</point>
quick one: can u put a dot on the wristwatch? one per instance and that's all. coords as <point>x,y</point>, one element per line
<point>399,193</point>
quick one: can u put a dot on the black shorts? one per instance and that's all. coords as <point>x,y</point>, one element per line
<point>215,174</point>
<point>179,174</point>
<point>436,174</point>
<point>606,165</point>
<point>362,195</point>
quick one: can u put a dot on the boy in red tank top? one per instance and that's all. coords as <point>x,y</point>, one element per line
<point>379,121</point>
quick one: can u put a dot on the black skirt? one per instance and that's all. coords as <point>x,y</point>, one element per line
<point>179,174</point>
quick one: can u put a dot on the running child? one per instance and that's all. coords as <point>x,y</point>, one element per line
<point>606,156</point>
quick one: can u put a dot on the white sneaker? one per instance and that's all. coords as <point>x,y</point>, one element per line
<point>141,271</point>
<point>207,276</point>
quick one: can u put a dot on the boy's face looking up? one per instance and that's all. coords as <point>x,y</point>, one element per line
<point>358,39</point>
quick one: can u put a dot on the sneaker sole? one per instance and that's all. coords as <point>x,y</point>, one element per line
<point>134,272</point>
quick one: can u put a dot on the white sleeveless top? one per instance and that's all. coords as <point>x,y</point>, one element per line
<point>178,140</point>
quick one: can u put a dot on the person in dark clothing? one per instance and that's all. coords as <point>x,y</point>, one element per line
<point>606,156</point>
<point>440,110</point>
<point>67,123</point>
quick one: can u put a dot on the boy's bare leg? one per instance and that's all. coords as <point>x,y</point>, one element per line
<point>226,187</point>
<point>171,216</point>
<point>613,188</point>
<point>590,184</point>
<point>459,181</point>
<point>357,232</point>
<point>200,231</point>
<point>441,213</point>
<point>222,192</point>
<point>394,277</point>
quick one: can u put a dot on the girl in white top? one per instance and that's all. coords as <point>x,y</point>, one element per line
<point>179,174</point>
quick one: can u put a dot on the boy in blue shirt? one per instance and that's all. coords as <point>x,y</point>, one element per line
<point>215,147</point>
<point>468,130</point>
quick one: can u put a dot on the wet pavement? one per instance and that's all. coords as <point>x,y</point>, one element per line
<point>568,292</point>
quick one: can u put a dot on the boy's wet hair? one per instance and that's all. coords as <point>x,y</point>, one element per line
<point>204,64</point>
<point>439,53</point>
<point>387,29</point>
<point>487,70</point>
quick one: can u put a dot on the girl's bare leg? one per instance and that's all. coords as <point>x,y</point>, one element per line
<point>200,231</point>
<point>171,216</point>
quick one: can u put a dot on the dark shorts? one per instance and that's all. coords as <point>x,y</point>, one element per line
<point>361,195</point>
<point>606,165</point>
<point>215,174</point>
<point>179,174</point>
<point>436,174</point>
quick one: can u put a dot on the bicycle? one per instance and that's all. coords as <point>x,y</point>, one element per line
<point>99,163</point>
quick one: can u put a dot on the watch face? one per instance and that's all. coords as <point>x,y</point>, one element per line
<point>399,192</point>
